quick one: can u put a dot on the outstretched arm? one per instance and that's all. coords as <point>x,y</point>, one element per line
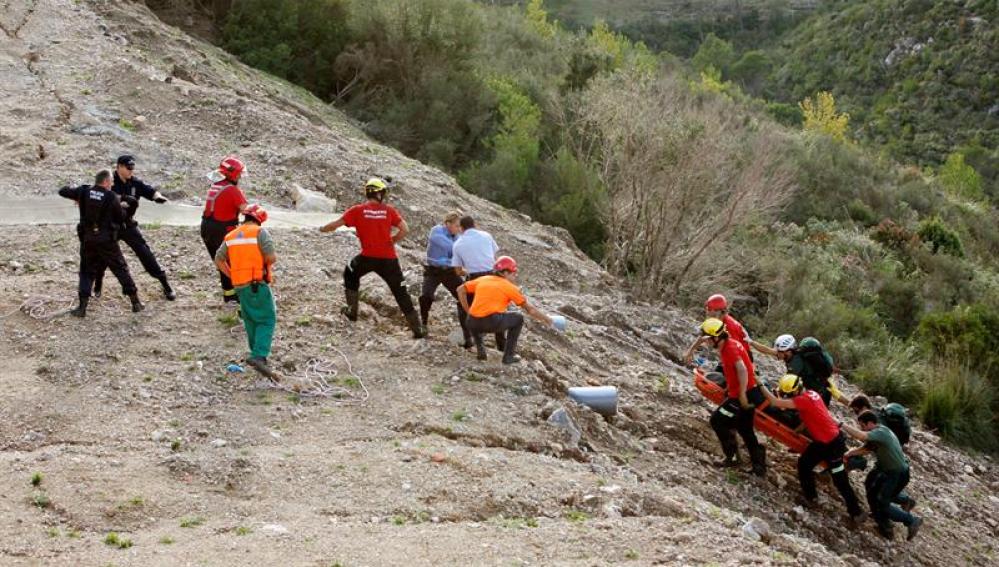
<point>775,401</point>
<point>331,226</point>
<point>689,356</point>
<point>762,348</point>
<point>852,431</point>
<point>536,314</point>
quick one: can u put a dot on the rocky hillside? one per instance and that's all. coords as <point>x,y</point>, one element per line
<point>134,427</point>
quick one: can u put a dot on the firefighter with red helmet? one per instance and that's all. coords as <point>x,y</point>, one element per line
<point>716,307</point>
<point>488,312</point>
<point>224,203</point>
<point>246,257</point>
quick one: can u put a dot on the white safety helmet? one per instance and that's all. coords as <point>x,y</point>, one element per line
<point>785,343</point>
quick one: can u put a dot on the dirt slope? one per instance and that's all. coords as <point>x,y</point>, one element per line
<point>137,428</point>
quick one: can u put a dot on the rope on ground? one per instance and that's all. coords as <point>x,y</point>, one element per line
<point>320,380</point>
<point>42,307</point>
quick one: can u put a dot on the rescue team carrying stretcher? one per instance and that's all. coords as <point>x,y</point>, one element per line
<point>463,259</point>
<point>798,416</point>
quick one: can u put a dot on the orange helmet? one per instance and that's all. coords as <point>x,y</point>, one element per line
<point>505,264</point>
<point>231,168</point>
<point>716,302</point>
<point>257,212</point>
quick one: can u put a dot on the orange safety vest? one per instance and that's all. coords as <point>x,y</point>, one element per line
<point>246,262</point>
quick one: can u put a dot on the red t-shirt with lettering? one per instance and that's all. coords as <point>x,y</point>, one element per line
<point>731,352</point>
<point>736,330</point>
<point>223,202</point>
<point>814,414</point>
<point>373,223</point>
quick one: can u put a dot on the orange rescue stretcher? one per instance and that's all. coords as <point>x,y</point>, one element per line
<point>762,421</point>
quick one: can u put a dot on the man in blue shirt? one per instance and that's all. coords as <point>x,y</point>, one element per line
<point>438,270</point>
<point>473,256</point>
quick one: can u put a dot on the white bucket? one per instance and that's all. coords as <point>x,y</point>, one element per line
<point>601,399</point>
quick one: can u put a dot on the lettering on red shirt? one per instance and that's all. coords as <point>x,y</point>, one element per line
<point>731,352</point>
<point>373,223</point>
<point>816,417</point>
<point>223,202</point>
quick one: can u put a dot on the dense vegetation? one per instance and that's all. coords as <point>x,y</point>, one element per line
<point>677,176</point>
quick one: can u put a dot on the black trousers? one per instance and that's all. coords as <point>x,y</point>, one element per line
<point>832,453</point>
<point>98,253</point>
<point>132,236</point>
<point>508,324</point>
<point>433,277</point>
<point>388,269</point>
<point>729,419</point>
<point>500,337</point>
<point>213,234</point>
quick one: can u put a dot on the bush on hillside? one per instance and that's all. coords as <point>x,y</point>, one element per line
<point>961,405</point>
<point>298,41</point>
<point>940,237</point>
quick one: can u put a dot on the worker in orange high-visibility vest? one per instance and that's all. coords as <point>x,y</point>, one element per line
<point>246,257</point>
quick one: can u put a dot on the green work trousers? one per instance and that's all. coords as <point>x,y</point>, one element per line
<point>259,317</point>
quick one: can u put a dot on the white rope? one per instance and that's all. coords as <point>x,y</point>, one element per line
<point>319,380</point>
<point>43,307</point>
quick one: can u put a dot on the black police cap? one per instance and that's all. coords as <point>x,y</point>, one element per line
<point>126,160</point>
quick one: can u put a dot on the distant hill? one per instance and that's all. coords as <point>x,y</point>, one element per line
<point>919,78</point>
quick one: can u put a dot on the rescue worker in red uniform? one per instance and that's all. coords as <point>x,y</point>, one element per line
<point>828,443</point>
<point>224,203</point>
<point>374,221</point>
<point>246,257</point>
<point>717,307</point>
<point>736,414</point>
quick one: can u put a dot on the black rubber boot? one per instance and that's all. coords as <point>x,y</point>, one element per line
<point>731,450</point>
<point>419,331</point>
<point>501,341</point>
<point>480,348</point>
<point>350,309</point>
<point>260,365</point>
<point>425,303</point>
<point>136,304</point>
<point>167,290</point>
<point>758,457</point>
<point>81,309</point>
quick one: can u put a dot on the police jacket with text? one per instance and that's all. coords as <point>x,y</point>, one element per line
<point>100,211</point>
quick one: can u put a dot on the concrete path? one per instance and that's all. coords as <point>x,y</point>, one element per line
<point>56,210</point>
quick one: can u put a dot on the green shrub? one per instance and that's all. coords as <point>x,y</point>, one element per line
<point>940,237</point>
<point>969,333</point>
<point>960,405</point>
<point>894,369</point>
<point>298,41</point>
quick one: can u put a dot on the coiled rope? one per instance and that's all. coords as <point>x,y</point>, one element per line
<point>320,379</point>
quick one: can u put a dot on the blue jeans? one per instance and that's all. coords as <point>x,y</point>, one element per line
<point>884,488</point>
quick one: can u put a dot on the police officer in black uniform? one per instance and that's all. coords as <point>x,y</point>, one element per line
<point>101,216</point>
<point>130,189</point>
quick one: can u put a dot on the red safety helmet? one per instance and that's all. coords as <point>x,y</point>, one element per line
<point>231,168</point>
<point>716,302</point>
<point>505,264</point>
<point>258,212</point>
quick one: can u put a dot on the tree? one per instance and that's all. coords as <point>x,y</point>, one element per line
<point>714,52</point>
<point>960,179</point>
<point>820,116</point>
<point>681,171</point>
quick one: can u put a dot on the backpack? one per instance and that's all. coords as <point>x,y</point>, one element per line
<point>895,417</point>
<point>816,357</point>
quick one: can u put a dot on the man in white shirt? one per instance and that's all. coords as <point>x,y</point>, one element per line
<point>473,256</point>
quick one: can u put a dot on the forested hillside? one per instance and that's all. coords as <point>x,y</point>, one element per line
<point>678,176</point>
